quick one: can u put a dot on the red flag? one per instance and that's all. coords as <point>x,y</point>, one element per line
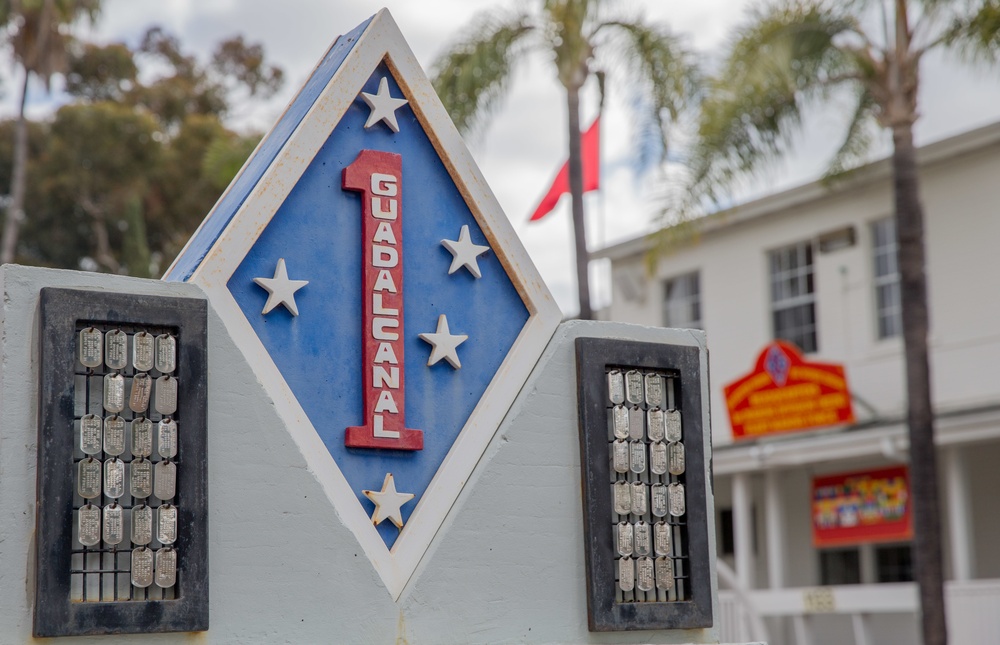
<point>590,149</point>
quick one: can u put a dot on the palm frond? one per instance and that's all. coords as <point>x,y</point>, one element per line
<point>785,56</point>
<point>861,134</point>
<point>472,75</point>
<point>976,35</point>
<point>660,70</point>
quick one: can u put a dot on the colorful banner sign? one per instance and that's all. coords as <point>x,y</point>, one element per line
<point>785,393</point>
<point>868,506</point>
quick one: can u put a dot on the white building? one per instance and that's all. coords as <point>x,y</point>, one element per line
<point>818,264</point>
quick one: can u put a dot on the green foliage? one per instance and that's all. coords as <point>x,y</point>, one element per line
<point>120,178</point>
<point>101,73</point>
<point>473,75</point>
<point>790,55</point>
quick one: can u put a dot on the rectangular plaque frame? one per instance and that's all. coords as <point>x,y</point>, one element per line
<point>55,613</point>
<point>594,356</point>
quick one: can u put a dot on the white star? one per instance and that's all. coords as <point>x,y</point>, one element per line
<point>464,253</point>
<point>383,106</point>
<point>444,344</point>
<point>280,290</point>
<point>388,502</point>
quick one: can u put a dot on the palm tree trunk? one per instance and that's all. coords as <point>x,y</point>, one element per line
<point>920,412</point>
<point>576,194</point>
<point>15,209</point>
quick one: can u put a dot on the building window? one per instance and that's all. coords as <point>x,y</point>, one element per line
<point>793,298</point>
<point>888,310</point>
<point>840,567</point>
<point>682,302</point>
<point>894,563</point>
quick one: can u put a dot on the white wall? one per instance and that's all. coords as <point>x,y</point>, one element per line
<point>962,203</point>
<point>507,566</point>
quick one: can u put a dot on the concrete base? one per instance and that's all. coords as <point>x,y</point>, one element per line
<point>507,566</point>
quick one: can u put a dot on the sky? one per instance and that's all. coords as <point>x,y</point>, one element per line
<point>525,143</point>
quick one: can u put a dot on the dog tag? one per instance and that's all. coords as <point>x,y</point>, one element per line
<point>114,392</point>
<point>164,480</point>
<point>654,424</point>
<point>141,478</point>
<point>142,351</point>
<point>114,524</point>
<point>637,457</point>
<point>142,437</point>
<point>624,539</point>
<point>654,390</point>
<point>166,438</point>
<point>142,387</point>
<point>619,456</point>
<point>642,545</point>
<point>676,493</point>
<point>91,346</point>
<point>114,435</point>
<point>658,457</point>
<point>623,498</point>
<point>633,387</point>
<point>166,524</point>
<point>88,479</point>
<point>142,566</point>
<point>116,349</point>
<point>661,538</point>
<point>672,420</point>
<point>626,574</point>
<point>616,387</point>
<point>644,574</point>
<point>677,458</point>
<point>619,421</point>
<point>142,524</point>
<point>90,434</point>
<point>635,429</point>
<point>640,498</point>
<point>659,503</point>
<point>166,395</point>
<point>166,567</point>
<point>166,353</point>
<point>664,573</point>
<point>114,477</point>
<point>89,524</point>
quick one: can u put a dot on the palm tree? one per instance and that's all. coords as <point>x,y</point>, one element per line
<point>37,35</point>
<point>579,37</point>
<point>790,53</point>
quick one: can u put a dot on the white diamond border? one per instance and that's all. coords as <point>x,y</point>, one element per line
<point>382,40</point>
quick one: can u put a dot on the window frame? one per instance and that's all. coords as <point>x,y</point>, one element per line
<point>798,277</point>
<point>689,299</point>
<point>885,245</point>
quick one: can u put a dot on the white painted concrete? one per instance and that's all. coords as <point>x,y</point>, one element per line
<point>506,567</point>
<point>959,494</point>
<point>743,531</point>
<point>774,512</point>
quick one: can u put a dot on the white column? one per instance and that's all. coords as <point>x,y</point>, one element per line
<point>743,530</point>
<point>775,517</point>
<point>862,635</point>
<point>959,513</point>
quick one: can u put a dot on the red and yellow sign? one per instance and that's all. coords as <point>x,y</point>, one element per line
<point>784,393</point>
<point>869,506</point>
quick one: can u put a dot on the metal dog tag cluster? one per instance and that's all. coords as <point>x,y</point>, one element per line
<point>647,463</point>
<point>126,460</point>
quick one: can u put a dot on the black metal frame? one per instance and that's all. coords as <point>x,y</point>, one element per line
<point>55,614</point>
<point>593,356</point>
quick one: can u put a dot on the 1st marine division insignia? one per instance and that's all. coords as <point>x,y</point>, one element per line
<point>370,278</point>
